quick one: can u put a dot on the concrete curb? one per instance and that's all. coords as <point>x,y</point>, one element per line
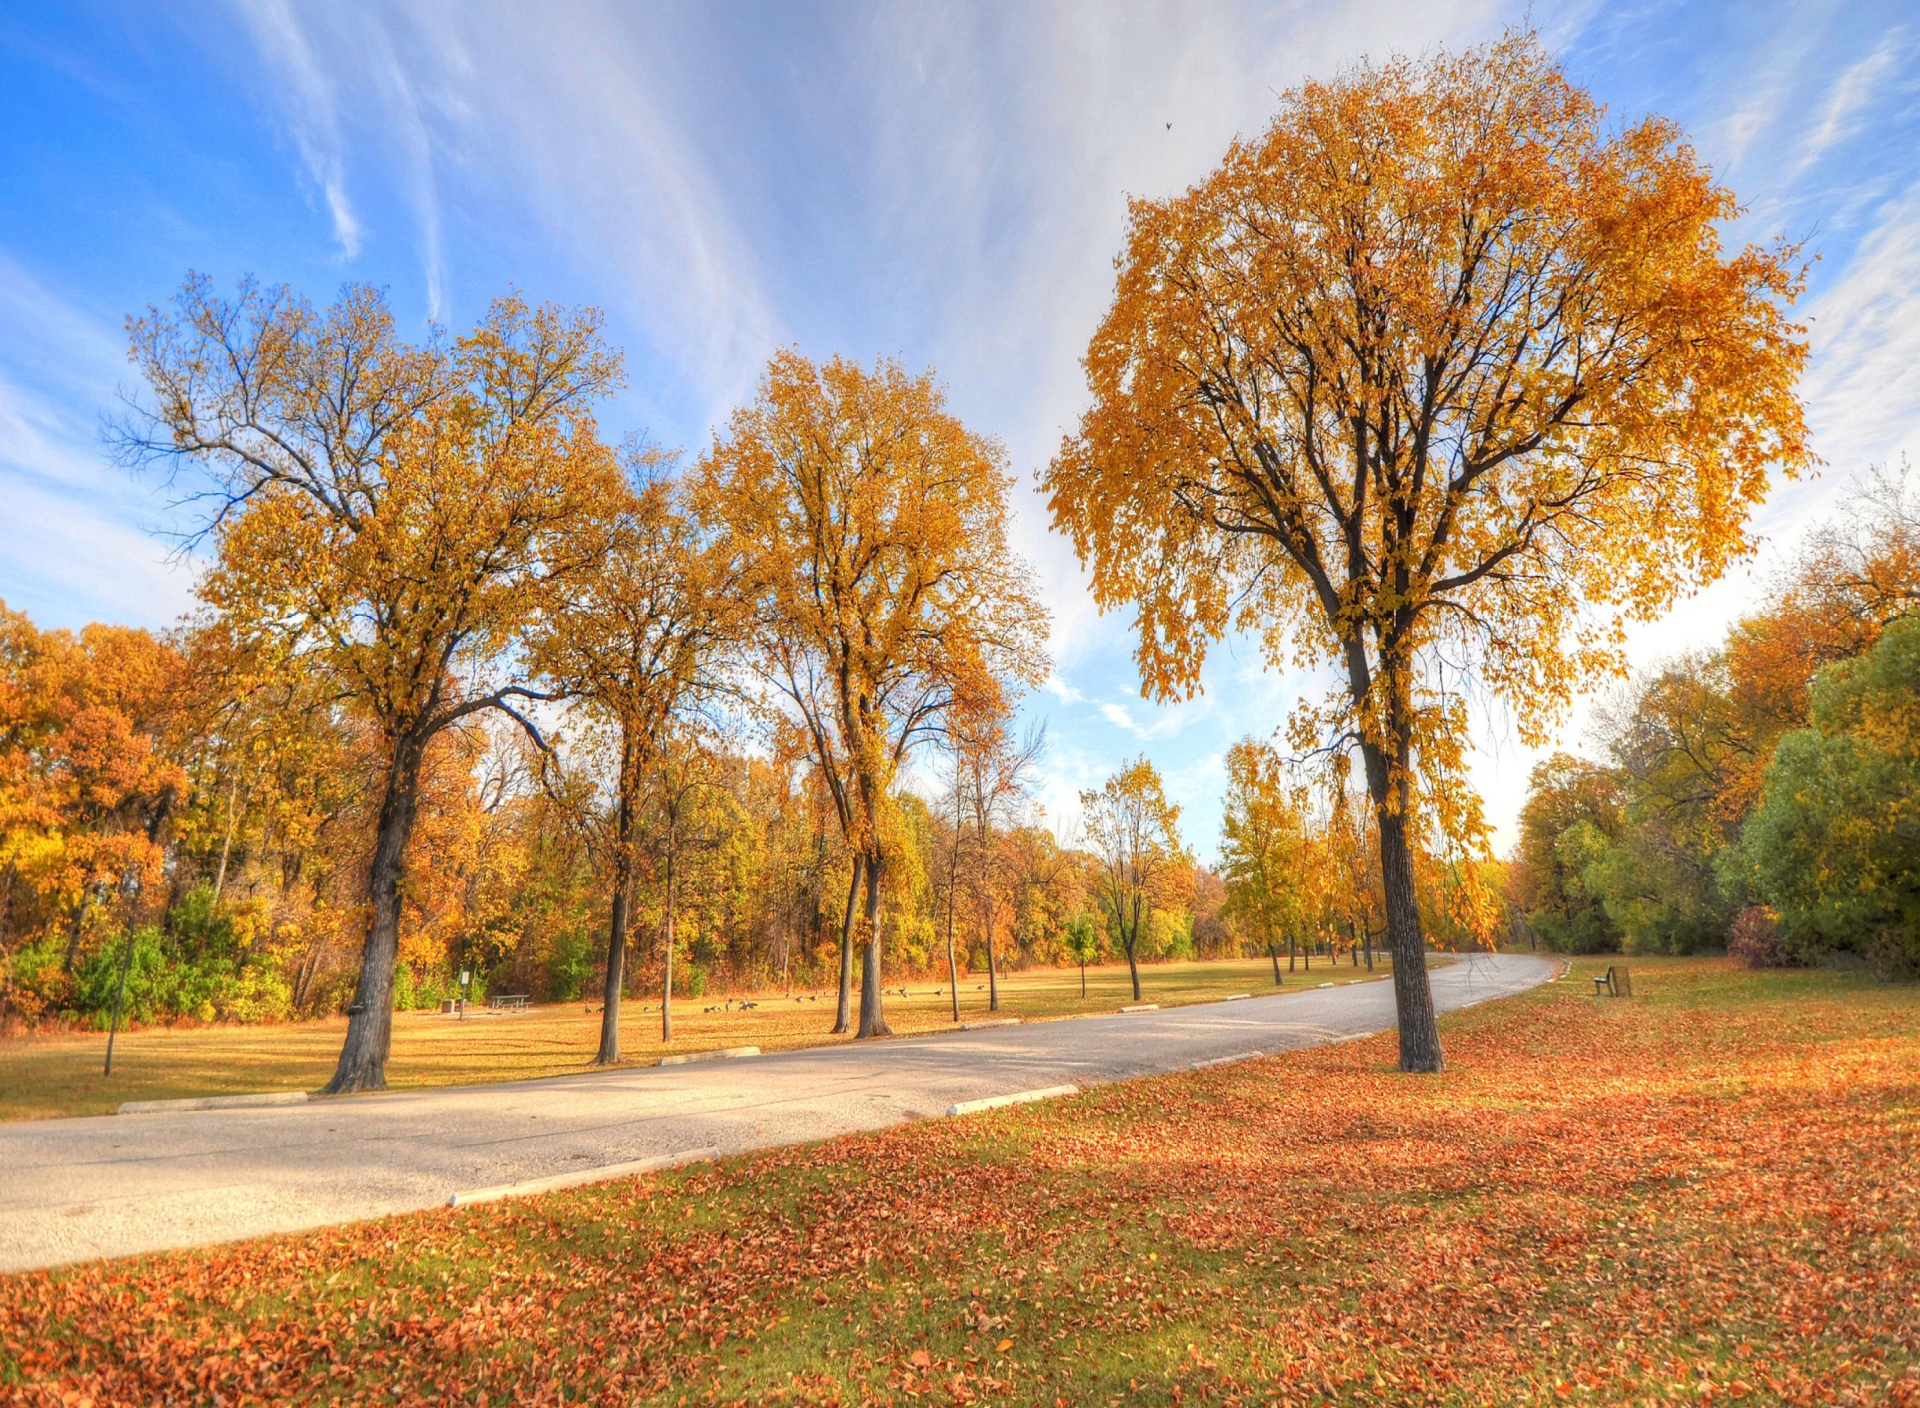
<point>996,1102</point>
<point>1237,997</point>
<point>1142,1007</point>
<point>212,1102</point>
<point>1226,1060</point>
<point>989,1022</point>
<point>580,1178</point>
<point>725,1053</point>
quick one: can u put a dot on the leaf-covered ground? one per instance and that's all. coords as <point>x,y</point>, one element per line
<point>1704,1193</point>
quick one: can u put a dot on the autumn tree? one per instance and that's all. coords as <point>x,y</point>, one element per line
<point>90,777</point>
<point>1273,866</point>
<point>636,640</point>
<point>388,516</point>
<point>1133,832</point>
<point>1834,847</point>
<point>994,771</point>
<point>1437,377</point>
<point>695,811</point>
<point>871,527</point>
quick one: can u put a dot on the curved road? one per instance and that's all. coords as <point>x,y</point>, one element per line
<point>111,1185</point>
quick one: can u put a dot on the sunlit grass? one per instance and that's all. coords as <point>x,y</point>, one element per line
<point>42,1076</point>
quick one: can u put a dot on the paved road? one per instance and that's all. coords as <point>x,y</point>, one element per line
<point>75,1189</point>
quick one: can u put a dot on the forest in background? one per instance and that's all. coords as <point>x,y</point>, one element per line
<point>1758,794</point>
<point>245,823</point>
<point>1763,794</point>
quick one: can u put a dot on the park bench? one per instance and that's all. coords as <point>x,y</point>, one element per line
<point>515,1000</point>
<point>1618,982</point>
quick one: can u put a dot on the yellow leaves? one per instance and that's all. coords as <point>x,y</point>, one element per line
<point>1435,365</point>
<point>870,526</point>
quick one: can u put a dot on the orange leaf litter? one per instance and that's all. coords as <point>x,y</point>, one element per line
<point>1676,1201</point>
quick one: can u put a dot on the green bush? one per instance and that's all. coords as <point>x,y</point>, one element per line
<point>1834,846</point>
<point>570,965</point>
<point>161,986</point>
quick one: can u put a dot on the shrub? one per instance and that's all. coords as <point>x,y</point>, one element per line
<point>570,964</point>
<point>1755,940</point>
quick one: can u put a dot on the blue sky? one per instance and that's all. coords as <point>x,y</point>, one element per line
<point>940,182</point>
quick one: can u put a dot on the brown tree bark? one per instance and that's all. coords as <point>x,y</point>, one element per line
<point>363,1056</point>
<point>1413,998</point>
<point>666,976</point>
<point>626,822</point>
<point>993,972</point>
<point>1132,944</point>
<point>843,1014</point>
<point>873,1020</point>
<point>953,964</point>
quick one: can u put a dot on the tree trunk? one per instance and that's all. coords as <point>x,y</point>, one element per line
<point>1083,980</point>
<point>1273,952</point>
<point>1132,944</point>
<point>624,825</point>
<point>1412,996</point>
<point>843,1015</point>
<point>226,843</point>
<point>666,976</point>
<point>873,1020</point>
<point>993,971</point>
<point>1293,947</point>
<point>616,978</point>
<point>1369,942</point>
<point>953,964</point>
<point>363,1057</point>
<point>73,934</point>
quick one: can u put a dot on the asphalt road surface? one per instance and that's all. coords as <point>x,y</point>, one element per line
<point>111,1185</point>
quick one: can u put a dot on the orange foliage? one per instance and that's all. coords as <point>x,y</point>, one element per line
<point>1439,375</point>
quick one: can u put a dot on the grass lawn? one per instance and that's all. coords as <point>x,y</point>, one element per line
<point>1701,1194</point>
<point>60,1075</point>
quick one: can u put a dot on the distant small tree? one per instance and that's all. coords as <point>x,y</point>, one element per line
<point>1134,833</point>
<point>1083,941</point>
<point>994,772</point>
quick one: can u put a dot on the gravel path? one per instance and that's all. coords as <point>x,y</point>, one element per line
<point>75,1189</point>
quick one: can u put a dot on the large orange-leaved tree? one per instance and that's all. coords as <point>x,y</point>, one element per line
<point>389,519</point>
<point>887,605</point>
<point>1440,378</point>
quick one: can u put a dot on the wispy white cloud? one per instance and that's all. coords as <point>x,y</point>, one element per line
<point>77,548</point>
<point>313,119</point>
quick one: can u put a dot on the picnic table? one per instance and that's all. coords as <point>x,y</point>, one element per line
<point>513,1000</point>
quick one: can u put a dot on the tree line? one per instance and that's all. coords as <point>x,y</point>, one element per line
<point>1433,386</point>
<point>473,691</point>
<point>1764,793</point>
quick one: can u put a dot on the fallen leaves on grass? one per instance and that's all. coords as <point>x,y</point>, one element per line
<point>1693,1200</point>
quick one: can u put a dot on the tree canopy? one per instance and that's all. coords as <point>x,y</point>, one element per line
<point>1437,375</point>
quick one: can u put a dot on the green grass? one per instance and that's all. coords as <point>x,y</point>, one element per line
<point>42,1076</point>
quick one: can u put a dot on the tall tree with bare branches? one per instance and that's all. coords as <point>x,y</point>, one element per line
<point>387,516</point>
<point>872,528</point>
